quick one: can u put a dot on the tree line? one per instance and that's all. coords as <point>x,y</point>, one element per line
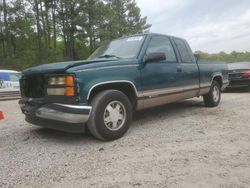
<point>226,57</point>
<point>34,32</point>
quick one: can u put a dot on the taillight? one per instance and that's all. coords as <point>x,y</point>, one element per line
<point>246,74</point>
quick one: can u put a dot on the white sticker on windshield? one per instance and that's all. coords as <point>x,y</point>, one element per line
<point>134,39</point>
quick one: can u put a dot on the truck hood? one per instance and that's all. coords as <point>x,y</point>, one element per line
<point>62,66</point>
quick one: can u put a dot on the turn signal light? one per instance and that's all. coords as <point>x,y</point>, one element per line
<point>69,91</point>
<point>69,81</point>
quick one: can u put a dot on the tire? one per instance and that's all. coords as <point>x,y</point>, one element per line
<point>107,107</point>
<point>213,98</point>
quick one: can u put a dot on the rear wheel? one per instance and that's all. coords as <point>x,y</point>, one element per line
<point>111,115</point>
<point>212,99</point>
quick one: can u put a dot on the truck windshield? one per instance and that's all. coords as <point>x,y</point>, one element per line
<point>128,47</point>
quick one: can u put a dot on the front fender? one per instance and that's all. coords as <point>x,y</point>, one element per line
<point>89,79</point>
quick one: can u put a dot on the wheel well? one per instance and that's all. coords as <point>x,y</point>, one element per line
<point>218,79</point>
<point>125,88</point>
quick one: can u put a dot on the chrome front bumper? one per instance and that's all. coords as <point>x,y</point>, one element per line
<point>65,113</point>
<point>58,112</point>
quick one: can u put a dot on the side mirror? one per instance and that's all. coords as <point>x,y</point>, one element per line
<point>197,57</point>
<point>154,57</point>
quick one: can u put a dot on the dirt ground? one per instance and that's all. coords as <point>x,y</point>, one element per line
<point>177,145</point>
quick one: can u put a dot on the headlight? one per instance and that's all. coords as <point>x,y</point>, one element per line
<point>55,91</point>
<point>61,85</point>
<point>56,81</point>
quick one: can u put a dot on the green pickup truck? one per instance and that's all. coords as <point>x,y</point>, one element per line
<point>127,74</point>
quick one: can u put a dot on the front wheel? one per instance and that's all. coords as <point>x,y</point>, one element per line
<point>212,99</point>
<point>111,115</point>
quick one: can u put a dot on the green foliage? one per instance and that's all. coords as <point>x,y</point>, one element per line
<point>34,32</point>
<point>222,56</point>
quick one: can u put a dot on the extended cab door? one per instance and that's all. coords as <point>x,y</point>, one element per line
<point>190,74</point>
<point>161,80</point>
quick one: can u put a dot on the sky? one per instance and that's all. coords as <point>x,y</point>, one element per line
<point>208,25</point>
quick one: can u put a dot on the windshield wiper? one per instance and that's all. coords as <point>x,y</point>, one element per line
<point>108,56</point>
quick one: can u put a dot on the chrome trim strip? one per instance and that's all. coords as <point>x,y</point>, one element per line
<point>138,94</point>
<point>165,99</point>
<point>108,67</point>
<point>161,100</point>
<point>207,84</point>
<point>191,87</point>
<point>157,92</point>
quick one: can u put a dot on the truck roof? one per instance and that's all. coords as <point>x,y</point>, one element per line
<point>152,34</point>
<point>159,34</point>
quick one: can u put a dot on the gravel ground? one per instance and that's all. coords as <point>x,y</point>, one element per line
<point>177,145</point>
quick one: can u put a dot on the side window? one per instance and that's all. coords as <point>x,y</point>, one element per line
<point>184,51</point>
<point>162,45</point>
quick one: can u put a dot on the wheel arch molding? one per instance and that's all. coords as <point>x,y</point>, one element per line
<point>125,86</point>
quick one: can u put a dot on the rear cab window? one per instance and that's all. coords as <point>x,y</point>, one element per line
<point>184,51</point>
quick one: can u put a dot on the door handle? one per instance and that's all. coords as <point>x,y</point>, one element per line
<point>179,69</point>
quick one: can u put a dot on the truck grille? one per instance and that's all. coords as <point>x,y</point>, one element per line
<point>33,86</point>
